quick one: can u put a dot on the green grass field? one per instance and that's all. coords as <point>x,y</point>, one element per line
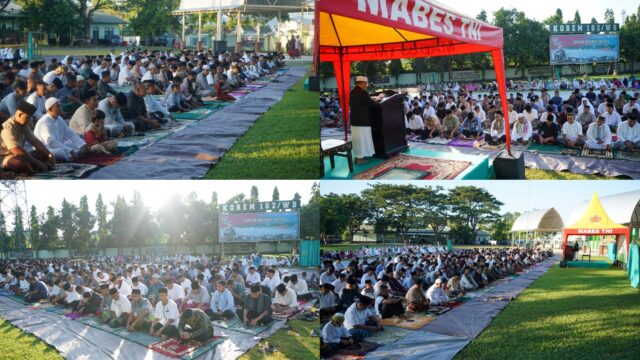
<point>290,344</point>
<point>566,314</point>
<point>537,174</point>
<point>284,143</point>
<point>18,345</point>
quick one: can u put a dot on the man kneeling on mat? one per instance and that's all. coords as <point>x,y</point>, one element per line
<point>90,303</point>
<point>118,314</point>
<point>222,304</point>
<point>166,316</point>
<point>37,290</point>
<point>257,308</point>
<point>195,325</point>
<point>140,318</point>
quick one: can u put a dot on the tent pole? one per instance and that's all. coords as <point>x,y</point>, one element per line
<point>498,64</point>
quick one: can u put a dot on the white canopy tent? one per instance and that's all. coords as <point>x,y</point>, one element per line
<point>622,208</point>
<point>532,224</point>
<point>257,7</point>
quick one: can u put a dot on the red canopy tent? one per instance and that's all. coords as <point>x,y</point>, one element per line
<point>595,221</point>
<point>362,30</point>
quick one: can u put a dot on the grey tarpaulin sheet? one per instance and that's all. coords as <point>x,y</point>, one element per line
<point>75,340</point>
<point>573,164</point>
<point>421,345</point>
<point>450,332</point>
<point>175,156</point>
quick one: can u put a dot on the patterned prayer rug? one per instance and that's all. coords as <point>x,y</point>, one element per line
<point>287,315</point>
<point>553,149</point>
<point>226,324</point>
<point>414,321</point>
<point>139,337</point>
<point>600,154</point>
<point>195,114</point>
<point>68,170</point>
<point>389,335</point>
<point>253,330</point>
<point>437,310</point>
<point>628,155</point>
<point>465,143</point>
<point>434,169</point>
<point>176,349</point>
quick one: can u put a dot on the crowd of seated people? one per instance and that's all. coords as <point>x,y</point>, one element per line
<point>603,120</point>
<point>162,295</point>
<point>76,94</point>
<point>360,288</point>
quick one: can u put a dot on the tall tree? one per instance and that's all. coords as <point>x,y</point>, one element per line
<point>214,217</point>
<point>276,194</point>
<point>198,218</point>
<point>520,30</point>
<point>630,39</point>
<point>502,226</point>
<point>50,227</point>
<point>402,207</point>
<point>254,197</point>
<point>482,16</point>
<point>119,224</point>
<point>84,222</point>
<point>332,218</point>
<point>85,10</point>
<point>473,207</point>
<point>4,235</point>
<point>18,235</point>
<point>609,16</point>
<point>172,220</point>
<point>237,199</point>
<point>67,224</point>
<point>576,18</point>
<point>101,221</point>
<point>140,222</point>
<point>310,215</point>
<point>50,16</point>
<point>556,18</point>
<point>35,237</point>
<point>149,18</point>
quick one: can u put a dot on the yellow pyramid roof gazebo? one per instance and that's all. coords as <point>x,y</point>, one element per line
<point>594,221</point>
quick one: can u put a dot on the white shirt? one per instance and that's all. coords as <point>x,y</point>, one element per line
<point>164,313</point>
<point>627,133</point>
<point>605,132</point>
<point>49,77</point>
<point>289,299</point>
<point>176,292</point>
<point>531,116</point>
<point>353,316</point>
<point>186,284</point>
<point>427,113</point>
<point>525,135</point>
<point>142,287</point>
<point>56,135</point>
<point>436,295</point>
<point>300,287</point>
<point>222,301</point>
<point>572,130</point>
<point>337,285</point>
<point>125,289</point>
<point>73,296</point>
<point>271,282</point>
<point>612,119</point>
<point>513,116</point>
<point>331,333</point>
<point>416,122</point>
<point>253,278</point>
<point>122,305</point>
<point>154,106</point>
<point>627,108</point>
<point>38,102</point>
<point>581,107</point>
<point>124,75</point>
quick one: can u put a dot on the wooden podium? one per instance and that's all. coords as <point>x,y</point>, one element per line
<point>388,127</point>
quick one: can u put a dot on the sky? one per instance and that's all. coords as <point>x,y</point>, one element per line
<point>540,10</point>
<point>517,196</point>
<point>43,193</point>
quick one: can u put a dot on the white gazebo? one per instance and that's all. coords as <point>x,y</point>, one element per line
<point>532,225</point>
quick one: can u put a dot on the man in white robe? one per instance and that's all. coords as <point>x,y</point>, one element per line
<point>598,135</point>
<point>55,134</point>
